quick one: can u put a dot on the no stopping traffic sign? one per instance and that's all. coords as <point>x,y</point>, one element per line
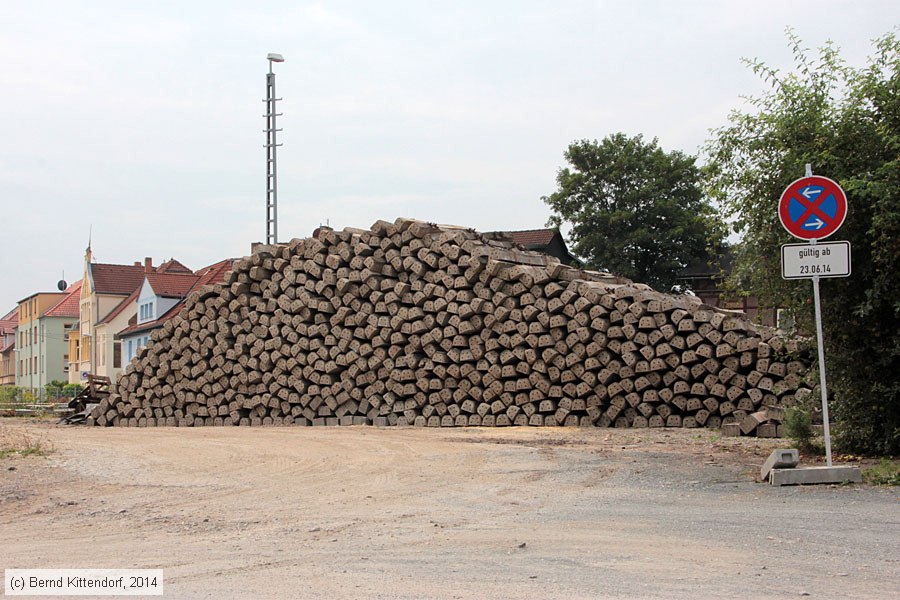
<point>812,208</point>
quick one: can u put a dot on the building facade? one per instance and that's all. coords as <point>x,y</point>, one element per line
<point>41,348</point>
<point>158,293</point>
<point>104,310</point>
<point>8,325</point>
<point>706,280</point>
<point>161,297</point>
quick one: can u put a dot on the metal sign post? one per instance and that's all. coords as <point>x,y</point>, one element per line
<point>820,342</point>
<point>821,346</point>
<point>812,208</point>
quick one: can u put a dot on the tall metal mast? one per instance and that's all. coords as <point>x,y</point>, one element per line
<point>271,148</point>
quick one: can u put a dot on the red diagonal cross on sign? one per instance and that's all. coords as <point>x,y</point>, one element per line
<point>831,195</point>
<point>813,208</point>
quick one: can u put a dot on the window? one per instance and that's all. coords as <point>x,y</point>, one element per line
<point>140,343</point>
<point>85,319</point>
<point>117,355</point>
<point>130,354</point>
<point>65,363</point>
<point>35,365</point>
<point>145,312</point>
<point>34,334</point>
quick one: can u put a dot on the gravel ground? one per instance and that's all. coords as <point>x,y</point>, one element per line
<point>396,513</point>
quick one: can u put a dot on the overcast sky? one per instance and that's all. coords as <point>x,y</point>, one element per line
<point>142,121</point>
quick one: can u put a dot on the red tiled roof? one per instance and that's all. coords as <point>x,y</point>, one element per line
<point>172,285</point>
<point>69,306</point>
<point>212,274</point>
<point>10,321</point>
<point>126,280</point>
<point>5,348</point>
<point>149,325</point>
<point>116,279</point>
<point>172,266</point>
<point>123,279</point>
<point>532,237</point>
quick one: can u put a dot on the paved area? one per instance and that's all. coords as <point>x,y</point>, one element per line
<point>363,512</point>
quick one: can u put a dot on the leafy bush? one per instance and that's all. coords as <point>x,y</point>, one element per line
<point>798,427</point>
<point>8,393</point>
<point>70,390</point>
<point>845,122</point>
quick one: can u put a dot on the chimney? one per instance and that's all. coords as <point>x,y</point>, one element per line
<point>148,265</point>
<point>137,263</point>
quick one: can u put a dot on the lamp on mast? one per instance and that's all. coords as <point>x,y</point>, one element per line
<point>271,149</point>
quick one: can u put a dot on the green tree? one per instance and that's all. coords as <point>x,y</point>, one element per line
<point>634,209</point>
<point>845,122</point>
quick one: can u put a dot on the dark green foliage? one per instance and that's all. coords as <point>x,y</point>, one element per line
<point>9,393</point>
<point>635,210</point>
<point>798,427</point>
<point>70,390</point>
<point>845,122</point>
<point>54,388</point>
<point>60,389</point>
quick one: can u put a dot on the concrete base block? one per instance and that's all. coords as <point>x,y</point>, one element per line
<point>779,459</point>
<point>813,475</point>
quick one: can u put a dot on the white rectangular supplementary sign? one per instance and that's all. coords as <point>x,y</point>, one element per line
<point>83,582</point>
<point>805,261</point>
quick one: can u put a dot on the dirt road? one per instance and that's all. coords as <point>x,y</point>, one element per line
<point>452,513</point>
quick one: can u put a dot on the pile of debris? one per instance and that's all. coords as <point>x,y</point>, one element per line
<point>411,323</point>
<point>83,404</point>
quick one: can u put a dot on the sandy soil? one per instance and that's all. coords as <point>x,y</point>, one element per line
<point>452,513</point>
